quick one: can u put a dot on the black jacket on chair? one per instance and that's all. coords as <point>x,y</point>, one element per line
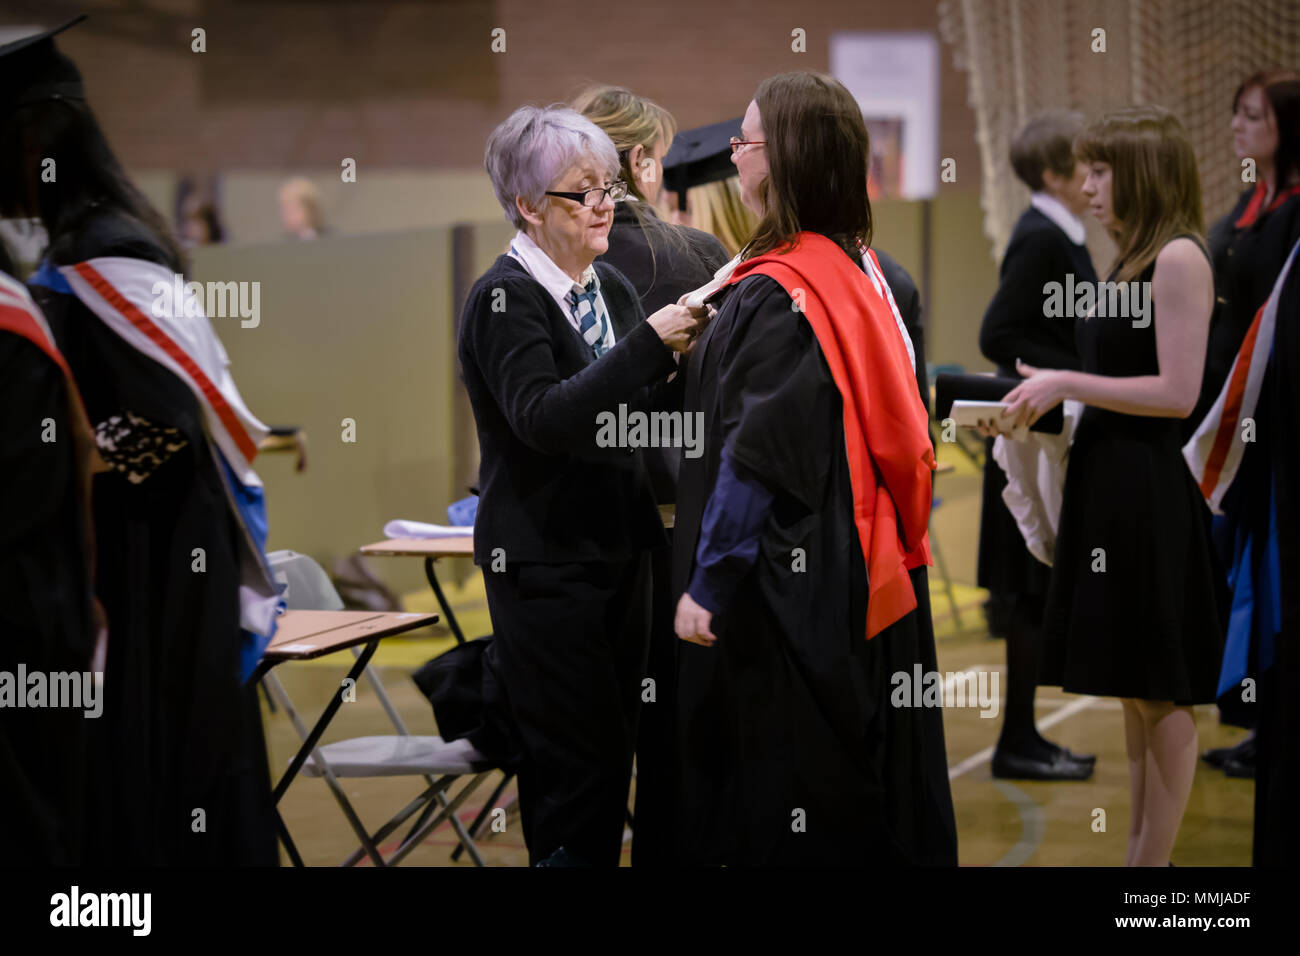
<point>548,493</point>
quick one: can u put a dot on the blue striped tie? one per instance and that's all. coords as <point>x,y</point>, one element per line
<point>589,312</point>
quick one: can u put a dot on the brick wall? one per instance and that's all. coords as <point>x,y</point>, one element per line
<point>287,84</point>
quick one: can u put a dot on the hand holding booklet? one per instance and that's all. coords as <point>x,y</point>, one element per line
<point>972,413</point>
<point>981,396</point>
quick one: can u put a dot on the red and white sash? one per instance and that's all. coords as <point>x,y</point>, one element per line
<point>122,293</point>
<point>1215,451</point>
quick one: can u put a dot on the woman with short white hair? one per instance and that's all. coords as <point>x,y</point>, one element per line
<point>549,340</point>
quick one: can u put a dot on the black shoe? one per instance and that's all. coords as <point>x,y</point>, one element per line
<point>1217,756</point>
<point>1241,767</point>
<point>1241,757</point>
<point>1088,759</point>
<point>562,857</point>
<point>1008,766</point>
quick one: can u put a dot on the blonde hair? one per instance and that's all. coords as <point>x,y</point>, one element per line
<point>1155,186</point>
<point>630,121</point>
<point>716,208</point>
<point>303,192</point>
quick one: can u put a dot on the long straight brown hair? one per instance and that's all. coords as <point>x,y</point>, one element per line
<point>818,153</point>
<point>1155,187</point>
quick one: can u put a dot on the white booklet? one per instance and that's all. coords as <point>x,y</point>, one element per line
<point>971,413</point>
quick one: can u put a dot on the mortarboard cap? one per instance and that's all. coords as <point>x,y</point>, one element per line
<point>32,70</point>
<point>700,156</point>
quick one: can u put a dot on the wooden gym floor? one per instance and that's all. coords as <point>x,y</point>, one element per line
<point>999,823</point>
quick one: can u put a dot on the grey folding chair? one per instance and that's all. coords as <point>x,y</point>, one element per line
<point>439,762</point>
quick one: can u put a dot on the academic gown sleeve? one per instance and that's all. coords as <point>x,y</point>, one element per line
<point>781,411</point>
<point>780,414</point>
<point>45,604</point>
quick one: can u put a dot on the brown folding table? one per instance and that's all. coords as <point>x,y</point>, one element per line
<point>431,549</point>
<point>305,635</point>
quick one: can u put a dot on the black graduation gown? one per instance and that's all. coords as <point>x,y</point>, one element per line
<point>1246,264</point>
<point>179,732</point>
<point>790,752</point>
<point>1277,780</point>
<point>46,622</point>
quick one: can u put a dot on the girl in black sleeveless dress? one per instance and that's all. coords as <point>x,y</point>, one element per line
<point>1131,610</point>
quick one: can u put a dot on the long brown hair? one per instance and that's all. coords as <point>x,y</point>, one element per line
<point>1155,187</point>
<point>818,153</point>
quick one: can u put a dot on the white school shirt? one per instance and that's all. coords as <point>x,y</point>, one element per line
<point>557,282</point>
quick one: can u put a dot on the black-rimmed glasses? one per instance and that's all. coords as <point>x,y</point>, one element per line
<point>594,197</point>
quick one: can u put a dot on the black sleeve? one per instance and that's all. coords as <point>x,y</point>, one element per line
<point>33,407</point>
<point>908,299</point>
<point>780,408</point>
<point>1018,304</point>
<point>515,355</point>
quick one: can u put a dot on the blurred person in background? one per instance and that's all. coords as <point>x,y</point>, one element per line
<point>47,615</point>
<point>1249,246</point>
<point>1047,245</point>
<point>300,209</point>
<point>180,728</point>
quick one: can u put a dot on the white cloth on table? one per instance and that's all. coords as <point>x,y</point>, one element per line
<point>418,529</point>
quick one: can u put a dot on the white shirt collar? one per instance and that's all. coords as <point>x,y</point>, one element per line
<point>1055,210</point>
<point>542,268</point>
<point>556,281</point>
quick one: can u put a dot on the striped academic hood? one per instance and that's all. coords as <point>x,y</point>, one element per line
<point>886,430</point>
<point>1215,451</point>
<point>124,294</point>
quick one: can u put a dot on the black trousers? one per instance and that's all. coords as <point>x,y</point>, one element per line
<point>571,642</point>
<point>656,748</point>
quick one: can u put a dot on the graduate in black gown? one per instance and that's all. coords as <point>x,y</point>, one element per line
<point>1248,246</point>
<point>1131,609</point>
<point>1277,781</point>
<point>178,771</point>
<point>792,751</point>
<point>47,623</point>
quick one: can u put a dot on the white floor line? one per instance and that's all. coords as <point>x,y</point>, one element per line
<point>985,755</point>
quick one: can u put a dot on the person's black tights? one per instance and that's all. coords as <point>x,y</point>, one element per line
<point>1024,635</point>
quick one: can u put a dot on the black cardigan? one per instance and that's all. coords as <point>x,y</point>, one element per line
<point>1014,325</point>
<point>548,493</point>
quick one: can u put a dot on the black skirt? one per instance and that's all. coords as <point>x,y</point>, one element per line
<point>1132,611</point>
